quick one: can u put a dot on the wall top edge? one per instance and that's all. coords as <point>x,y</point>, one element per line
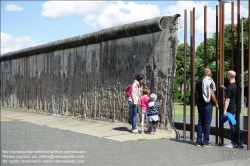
<point>127,30</point>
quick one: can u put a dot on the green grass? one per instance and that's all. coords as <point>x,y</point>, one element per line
<point>15,119</point>
<point>142,139</point>
<point>178,111</point>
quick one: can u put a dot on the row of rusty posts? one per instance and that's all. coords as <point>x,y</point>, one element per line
<point>219,137</point>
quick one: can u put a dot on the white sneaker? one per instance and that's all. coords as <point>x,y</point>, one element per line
<point>231,145</point>
<point>135,131</point>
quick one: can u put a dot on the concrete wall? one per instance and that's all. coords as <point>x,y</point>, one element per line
<point>87,75</point>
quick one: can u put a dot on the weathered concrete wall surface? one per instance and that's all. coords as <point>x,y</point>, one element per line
<point>87,75</point>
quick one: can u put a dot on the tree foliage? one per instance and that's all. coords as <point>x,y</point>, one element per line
<point>179,75</point>
<point>211,56</point>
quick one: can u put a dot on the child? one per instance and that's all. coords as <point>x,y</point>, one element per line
<point>144,100</point>
<point>152,112</point>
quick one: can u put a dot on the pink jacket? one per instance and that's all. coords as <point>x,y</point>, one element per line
<point>135,93</point>
<point>144,100</point>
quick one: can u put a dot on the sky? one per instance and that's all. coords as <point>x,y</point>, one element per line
<point>29,23</point>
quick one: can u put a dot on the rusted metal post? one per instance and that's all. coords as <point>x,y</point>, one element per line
<point>223,45</point>
<point>220,104</point>
<point>242,63</point>
<point>248,102</point>
<point>238,73</point>
<point>217,77</point>
<point>185,75</point>
<point>232,34</point>
<point>192,103</point>
<point>221,75</point>
<point>191,47</point>
<point>222,63</point>
<point>205,36</point>
<point>191,74</point>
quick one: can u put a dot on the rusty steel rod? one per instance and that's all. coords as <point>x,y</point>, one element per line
<point>192,106</point>
<point>248,114</point>
<point>191,47</point>
<point>232,34</point>
<point>238,73</point>
<point>221,78</point>
<point>217,77</point>
<point>185,75</point>
<point>205,36</point>
<point>220,107</point>
<point>223,44</point>
<point>222,61</point>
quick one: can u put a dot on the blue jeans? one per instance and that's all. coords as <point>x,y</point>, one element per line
<point>233,129</point>
<point>134,114</point>
<point>205,112</point>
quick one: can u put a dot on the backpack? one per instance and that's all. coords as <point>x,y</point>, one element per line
<point>128,91</point>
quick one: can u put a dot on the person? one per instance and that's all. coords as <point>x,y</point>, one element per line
<point>144,100</point>
<point>152,113</point>
<point>205,88</point>
<point>230,106</point>
<point>133,100</point>
<point>245,101</point>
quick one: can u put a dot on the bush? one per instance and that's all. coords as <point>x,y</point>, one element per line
<point>177,96</point>
<point>187,98</point>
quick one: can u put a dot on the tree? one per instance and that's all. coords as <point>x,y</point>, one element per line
<point>179,74</point>
<point>211,48</point>
<point>211,56</point>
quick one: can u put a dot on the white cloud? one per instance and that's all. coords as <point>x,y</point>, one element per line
<point>13,8</point>
<point>101,14</point>
<point>10,43</point>
<point>180,6</point>
<point>118,13</point>
<point>56,9</point>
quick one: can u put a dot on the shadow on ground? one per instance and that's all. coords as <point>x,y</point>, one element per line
<point>183,141</point>
<point>121,129</point>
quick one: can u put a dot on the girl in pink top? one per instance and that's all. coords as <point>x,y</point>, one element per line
<point>143,102</point>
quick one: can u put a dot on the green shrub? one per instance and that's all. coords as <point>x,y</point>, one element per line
<point>177,96</point>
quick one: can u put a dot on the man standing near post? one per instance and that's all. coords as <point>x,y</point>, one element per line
<point>205,89</point>
<point>231,107</point>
